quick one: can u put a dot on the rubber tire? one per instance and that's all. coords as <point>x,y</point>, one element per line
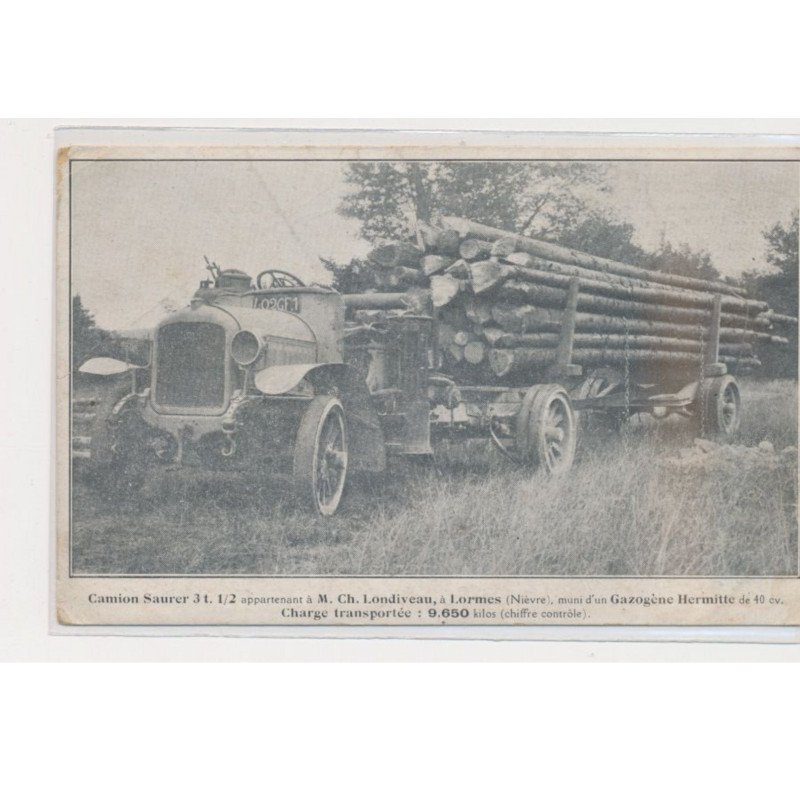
<point>306,451</point>
<point>711,399</point>
<point>530,437</point>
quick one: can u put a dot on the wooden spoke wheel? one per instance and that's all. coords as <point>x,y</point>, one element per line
<point>547,431</point>
<point>720,406</point>
<point>320,455</point>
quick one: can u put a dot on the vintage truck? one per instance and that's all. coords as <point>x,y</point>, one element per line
<point>272,376</point>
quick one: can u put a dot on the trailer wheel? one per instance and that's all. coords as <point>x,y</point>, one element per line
<point>547,430</point>
<point>720,406</point>
<point>320,455</point>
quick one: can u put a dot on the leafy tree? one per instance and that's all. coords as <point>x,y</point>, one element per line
<point>682,260</point>
<point>87,339</point>
<point>601,235</point>
<point>354,277</point>
<point>779,287</point>
<point>534,198</point>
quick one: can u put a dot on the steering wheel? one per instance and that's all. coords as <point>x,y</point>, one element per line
<point>278,279</point>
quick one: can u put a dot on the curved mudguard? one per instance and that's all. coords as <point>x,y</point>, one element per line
<point>284,377</point>
<point>367,449</point>
<point>105,366</point>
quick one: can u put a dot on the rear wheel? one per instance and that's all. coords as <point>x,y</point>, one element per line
<point>720,406</point>
<point>320,455</point>
<point>547,431</point>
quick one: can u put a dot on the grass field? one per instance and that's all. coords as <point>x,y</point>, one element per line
<point>622,510</point>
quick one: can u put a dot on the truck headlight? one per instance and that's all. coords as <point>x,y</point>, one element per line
<point>245,348</point>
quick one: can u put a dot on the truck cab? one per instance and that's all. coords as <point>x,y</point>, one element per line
<point>248,375</point>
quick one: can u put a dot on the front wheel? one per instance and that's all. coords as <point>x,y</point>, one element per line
<point>547,432</point>
<point>320,455</point>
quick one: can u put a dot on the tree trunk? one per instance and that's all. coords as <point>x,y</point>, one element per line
<point>566,255</point>
<point>522,318</point>
<point>448,243</point>
<point>781,319</point>
<point>376,300</point>
<point>403,277</point>
<point>504,247</point>
<point>422,193</point>
<point>459,269</point>
<point>529,318</point>
<point>745,335</point>
<point>737,364</point>
<point>545,295</point>
<point>444,335</point>
<point>455,352</point>
<point>454,316</point>
<point>594,341</point>
<point>515,361</point>
<point>477,309</point>
<point>471,249</point>
<point>736,349</point>
<point>487,275</point>
<point>429,235</point>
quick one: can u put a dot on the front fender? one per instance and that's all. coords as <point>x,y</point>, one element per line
<point>284,377</point>
<point>105,366</point>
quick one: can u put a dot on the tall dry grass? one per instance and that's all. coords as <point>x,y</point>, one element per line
<point>623,510</point>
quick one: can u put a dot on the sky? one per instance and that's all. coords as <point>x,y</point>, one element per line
<point>140,229</point>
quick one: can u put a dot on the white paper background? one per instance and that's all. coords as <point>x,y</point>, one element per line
<point>27,214</point>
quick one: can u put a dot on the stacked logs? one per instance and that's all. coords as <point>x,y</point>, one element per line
<point>502,302</point>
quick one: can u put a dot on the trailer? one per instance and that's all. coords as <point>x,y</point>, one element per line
<point>534,424</point>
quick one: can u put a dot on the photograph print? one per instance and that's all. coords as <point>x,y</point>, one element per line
<point>443,367</point>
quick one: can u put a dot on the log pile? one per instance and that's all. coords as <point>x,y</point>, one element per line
<point>513,308</point>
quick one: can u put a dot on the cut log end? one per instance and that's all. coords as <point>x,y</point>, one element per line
<point>443,289</point>
<point>434,264</point>
<point>486,275</point>
<point>475,352</point>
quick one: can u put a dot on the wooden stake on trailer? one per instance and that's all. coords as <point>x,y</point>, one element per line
<point>712,366</point>
<point>563,367</point>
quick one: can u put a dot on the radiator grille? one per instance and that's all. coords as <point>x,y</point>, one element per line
<point>190,368</point>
